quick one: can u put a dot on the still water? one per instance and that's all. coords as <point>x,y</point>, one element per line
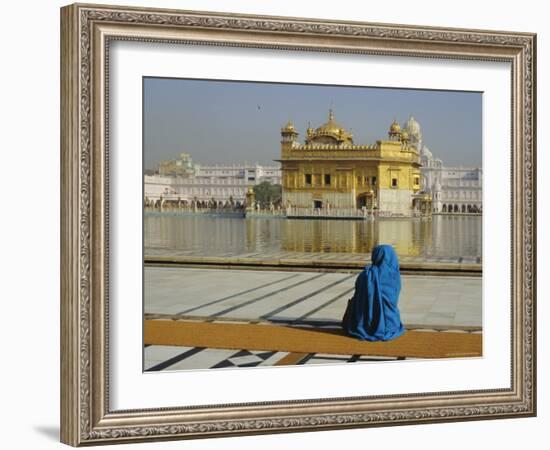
<point>442,236</point>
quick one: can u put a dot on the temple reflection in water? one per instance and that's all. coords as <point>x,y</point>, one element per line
<point>442,236</point>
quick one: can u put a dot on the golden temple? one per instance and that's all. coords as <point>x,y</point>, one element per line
<point>330,171</point>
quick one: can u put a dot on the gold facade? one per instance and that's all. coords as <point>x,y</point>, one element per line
<point>329,170</point>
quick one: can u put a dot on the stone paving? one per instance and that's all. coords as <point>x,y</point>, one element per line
<point>276,295</point>
<point>333,256</point>
<point>161,357</point>
<point>291,298</point>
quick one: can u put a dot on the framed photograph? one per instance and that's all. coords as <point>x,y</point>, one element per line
<point>275,224</point>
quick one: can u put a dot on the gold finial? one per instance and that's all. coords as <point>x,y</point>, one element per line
<point>309,129</point>
<point>330,115</point>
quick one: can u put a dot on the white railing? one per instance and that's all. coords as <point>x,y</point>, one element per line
<point>194,210</point>
<point>345,213</point>
<point>279,212</point>
<point>329,212</point>
<point>265,212</point>
<point>190,209</point>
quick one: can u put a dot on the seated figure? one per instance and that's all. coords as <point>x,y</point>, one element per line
<point>372,313</point>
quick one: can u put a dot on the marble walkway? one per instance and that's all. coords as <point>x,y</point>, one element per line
<point>441,303</point>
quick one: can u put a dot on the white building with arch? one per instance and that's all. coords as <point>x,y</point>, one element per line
<point>203,183</point>
<point>453,189</point>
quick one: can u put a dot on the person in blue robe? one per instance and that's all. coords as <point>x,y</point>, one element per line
<point>372,313</point>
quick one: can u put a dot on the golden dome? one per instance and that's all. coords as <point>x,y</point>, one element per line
<point>289,127</point>
<point>404,135</point>
<point>395,128</point>
<point>333,129</point>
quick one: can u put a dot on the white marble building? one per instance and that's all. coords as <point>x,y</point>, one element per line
<point>453,189</point>
<point>207,182</point>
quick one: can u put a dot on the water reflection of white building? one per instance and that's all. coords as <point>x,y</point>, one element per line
<point>453,189</point>
<point>205,182</point>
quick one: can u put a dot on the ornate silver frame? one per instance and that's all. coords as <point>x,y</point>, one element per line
<point>86,31</point>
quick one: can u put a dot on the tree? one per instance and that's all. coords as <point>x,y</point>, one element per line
<point>268,193</point>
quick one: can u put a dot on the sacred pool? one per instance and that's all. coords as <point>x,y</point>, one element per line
<point>441,237</point>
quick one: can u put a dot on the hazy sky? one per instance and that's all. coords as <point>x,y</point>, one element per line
<point>236,122</point>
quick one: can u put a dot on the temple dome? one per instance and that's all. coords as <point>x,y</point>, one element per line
<point>289,127</point>
<point>413,128</point>
<point>395,128</point>
<point>427,153</point>
<point>333,130</point>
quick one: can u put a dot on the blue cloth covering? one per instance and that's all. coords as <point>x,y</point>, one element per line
<point>372,312</point>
